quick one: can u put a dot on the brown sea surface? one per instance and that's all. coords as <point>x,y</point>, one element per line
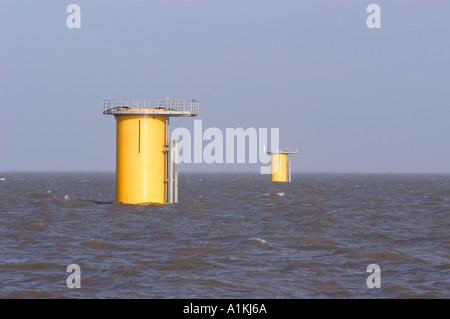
<point>229,236</point>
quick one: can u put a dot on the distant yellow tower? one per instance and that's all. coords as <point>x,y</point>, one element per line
<point>280,166</point>
<point>146,158</point>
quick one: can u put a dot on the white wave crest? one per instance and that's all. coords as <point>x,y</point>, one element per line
<point>259,240</point>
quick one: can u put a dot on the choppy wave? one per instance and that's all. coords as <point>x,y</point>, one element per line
<point>230,236</point>
<point>97,244</point>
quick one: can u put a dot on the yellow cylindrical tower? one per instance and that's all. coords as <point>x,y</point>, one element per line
<point>279,167</point>
<point>146,167</point>
<point>140,159</point>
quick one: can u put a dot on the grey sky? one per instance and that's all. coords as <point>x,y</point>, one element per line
<point>350,98</point>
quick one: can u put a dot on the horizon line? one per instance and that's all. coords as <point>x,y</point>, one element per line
<point>227,172</point>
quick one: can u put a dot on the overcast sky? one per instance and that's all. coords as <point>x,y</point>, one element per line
<point>350,98</point>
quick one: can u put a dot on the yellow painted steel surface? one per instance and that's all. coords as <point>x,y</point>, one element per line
<point>140,160</point>
<point>279,167</point>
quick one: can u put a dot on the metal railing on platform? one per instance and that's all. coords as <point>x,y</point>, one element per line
<point>163,107</point>
<point>286,150</point>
